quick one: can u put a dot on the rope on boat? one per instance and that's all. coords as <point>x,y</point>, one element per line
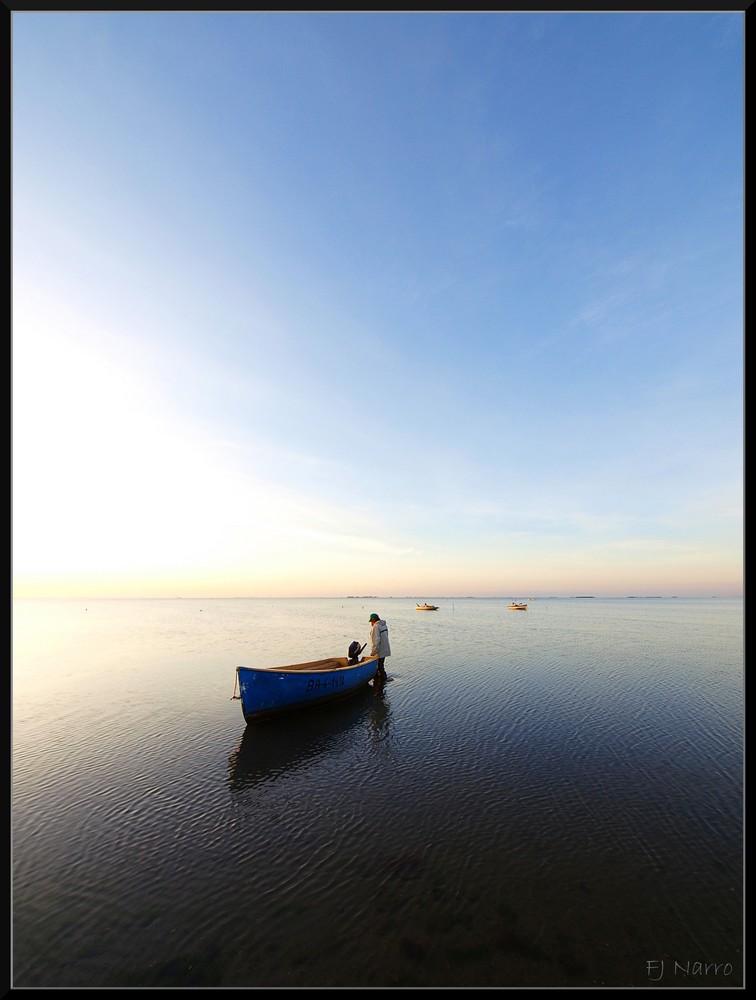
<point>235,696</point>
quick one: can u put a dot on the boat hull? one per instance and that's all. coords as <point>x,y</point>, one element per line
<point>266,692</point>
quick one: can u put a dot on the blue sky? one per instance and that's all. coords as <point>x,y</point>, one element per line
<point>411,304</point>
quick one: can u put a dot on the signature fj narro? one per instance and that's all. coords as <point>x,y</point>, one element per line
<point>657,968</point>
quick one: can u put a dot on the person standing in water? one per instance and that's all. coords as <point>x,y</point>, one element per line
<point>379,644</point>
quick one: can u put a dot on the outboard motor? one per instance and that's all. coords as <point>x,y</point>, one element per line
<point>355,649</point>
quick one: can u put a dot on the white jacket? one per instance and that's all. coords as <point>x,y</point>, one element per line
<point>379,639</point>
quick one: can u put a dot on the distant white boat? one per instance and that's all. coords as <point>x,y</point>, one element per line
<point>426,607</point>
<point>517,606</point>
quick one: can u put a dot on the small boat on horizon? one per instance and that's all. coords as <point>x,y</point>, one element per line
<point>517,606</point>
<point>426,607</point>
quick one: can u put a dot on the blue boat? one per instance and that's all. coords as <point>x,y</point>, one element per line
<point>269,691</point>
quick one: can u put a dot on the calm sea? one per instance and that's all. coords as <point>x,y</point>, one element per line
<point>547,798</point>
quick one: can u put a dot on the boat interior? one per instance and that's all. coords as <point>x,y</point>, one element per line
<point>333,663</point>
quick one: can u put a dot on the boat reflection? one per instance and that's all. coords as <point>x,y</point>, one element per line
<point>284,745</point>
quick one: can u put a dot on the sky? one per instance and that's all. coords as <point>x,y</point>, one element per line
<point>410,304</point>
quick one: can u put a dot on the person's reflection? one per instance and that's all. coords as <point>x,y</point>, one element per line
<point>379,720</point>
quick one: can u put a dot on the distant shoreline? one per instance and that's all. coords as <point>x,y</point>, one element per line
<point>376,598</point>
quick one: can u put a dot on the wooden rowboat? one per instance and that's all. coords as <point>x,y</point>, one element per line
<point>265,692</point>
<point>426,607</point>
